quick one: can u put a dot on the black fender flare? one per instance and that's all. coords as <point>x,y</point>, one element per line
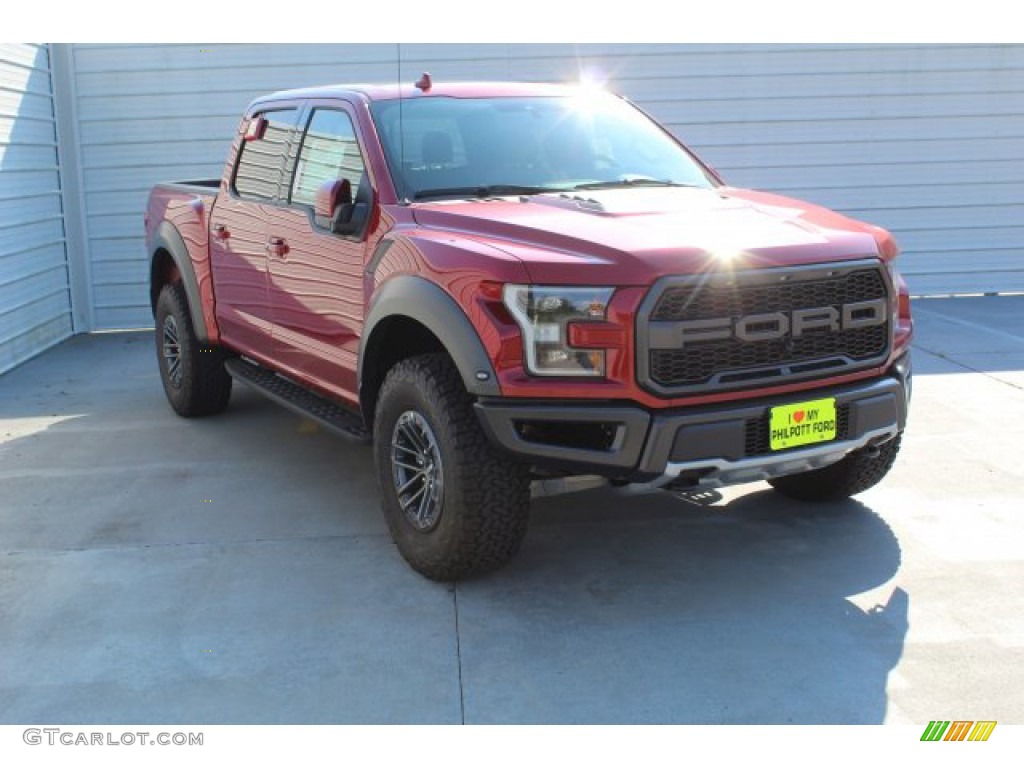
<point>167,238</point>
<point>432,307</point>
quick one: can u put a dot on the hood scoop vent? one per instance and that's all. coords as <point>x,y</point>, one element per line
<point>632,201</point>
<point>572,201</point>
<point>587,203</point>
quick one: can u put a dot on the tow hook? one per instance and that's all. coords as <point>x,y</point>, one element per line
<point>874,449</point>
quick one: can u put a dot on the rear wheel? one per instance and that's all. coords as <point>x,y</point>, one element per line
<point>455,506</point>
<point>193,375</point>
<point>851,475</point>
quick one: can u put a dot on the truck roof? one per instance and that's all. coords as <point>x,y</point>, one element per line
<point>376,92</point>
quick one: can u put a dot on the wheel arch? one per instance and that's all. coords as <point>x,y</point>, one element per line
<point>170,261</point>
<point>411,315</point>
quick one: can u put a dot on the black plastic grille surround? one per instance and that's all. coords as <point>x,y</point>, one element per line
<point>732,362</point>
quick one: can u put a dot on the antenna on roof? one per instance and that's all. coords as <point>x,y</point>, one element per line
<point>401,124</point>
<point>424,82</point>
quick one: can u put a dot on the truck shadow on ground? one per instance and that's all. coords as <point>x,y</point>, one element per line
<point>134,539</point>
<point>633,608</point>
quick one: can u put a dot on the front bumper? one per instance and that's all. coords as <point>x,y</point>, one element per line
<point>704,446</point>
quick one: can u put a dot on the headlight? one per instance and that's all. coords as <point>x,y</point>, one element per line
<point>893,273</point>
<point>902,292</point>
<point>543,314</point>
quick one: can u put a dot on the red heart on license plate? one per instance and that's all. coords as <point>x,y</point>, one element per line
<point>798,416</point>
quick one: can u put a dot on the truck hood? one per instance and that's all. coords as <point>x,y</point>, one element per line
<point>632,236</point>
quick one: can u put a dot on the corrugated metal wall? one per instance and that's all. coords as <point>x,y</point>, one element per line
<point>35,301</point>
<point>925,140</point>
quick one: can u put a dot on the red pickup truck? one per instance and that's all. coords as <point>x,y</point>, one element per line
<point>499,282</point>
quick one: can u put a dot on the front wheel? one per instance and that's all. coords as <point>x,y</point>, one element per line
<point>455,506</point>
<point>851,475</point>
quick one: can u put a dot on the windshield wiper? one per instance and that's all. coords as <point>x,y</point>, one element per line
<point>489,190</point>
<point>639,182</point>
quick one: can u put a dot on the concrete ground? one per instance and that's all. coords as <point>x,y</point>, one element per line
<point>237,570</point>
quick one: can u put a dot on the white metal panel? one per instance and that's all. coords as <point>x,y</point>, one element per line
<point>925,140</point>
<point>35,302</point>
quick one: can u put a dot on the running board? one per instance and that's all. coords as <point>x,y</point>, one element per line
<point>328,414</point>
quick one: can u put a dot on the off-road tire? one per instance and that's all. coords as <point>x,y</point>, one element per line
<point>482,514</point>
<point>198,384</point>
<point>857,472</point>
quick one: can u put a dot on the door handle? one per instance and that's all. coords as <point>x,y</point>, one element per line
<point>221,232</point>
<point>277,246</point>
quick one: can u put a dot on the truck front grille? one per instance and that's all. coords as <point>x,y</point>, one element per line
<point>798,323</point>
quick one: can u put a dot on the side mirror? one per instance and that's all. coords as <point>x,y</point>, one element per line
<point>334,209</point>
<point>333,202</point>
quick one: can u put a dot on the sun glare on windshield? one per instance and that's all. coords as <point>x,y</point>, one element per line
<point>586,139</point>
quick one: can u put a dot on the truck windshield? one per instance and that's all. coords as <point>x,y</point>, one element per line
<point>472,147</point>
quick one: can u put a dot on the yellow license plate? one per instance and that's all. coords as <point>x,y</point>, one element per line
<point>813,421</point>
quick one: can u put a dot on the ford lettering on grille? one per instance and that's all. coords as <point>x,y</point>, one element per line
<point>775,325</point>
<point>733,330</point>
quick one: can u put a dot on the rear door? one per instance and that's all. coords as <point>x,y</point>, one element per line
<point>316,276</point>
<point>238,232</point>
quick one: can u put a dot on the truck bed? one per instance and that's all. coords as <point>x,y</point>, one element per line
<point>177,217</point>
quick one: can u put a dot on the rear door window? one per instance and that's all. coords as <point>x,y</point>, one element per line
<point>263,163</point>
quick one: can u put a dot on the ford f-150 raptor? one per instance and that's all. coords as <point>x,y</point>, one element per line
<point>498,282</point>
